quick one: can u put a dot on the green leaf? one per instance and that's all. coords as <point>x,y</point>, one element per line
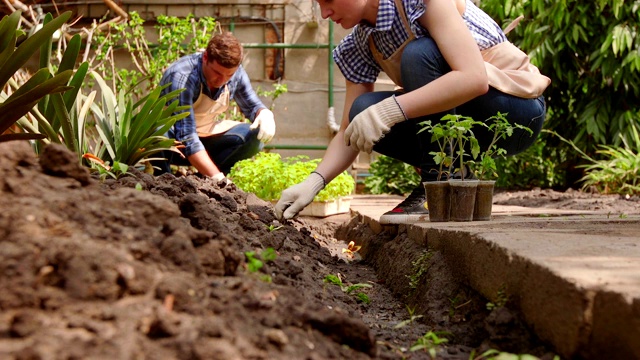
<point>21,136</point>
<point>21,102</point>
<point>30,46</point>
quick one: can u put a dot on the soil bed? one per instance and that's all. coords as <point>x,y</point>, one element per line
<point>156,268</point>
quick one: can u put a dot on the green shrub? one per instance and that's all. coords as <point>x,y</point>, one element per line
<point>267,175</point>
<point>591,52</point>
<point>176,37</point>
<point>391,176</point>
<point>533,168</point>
<point>129,133</point>
<point>17,100</point>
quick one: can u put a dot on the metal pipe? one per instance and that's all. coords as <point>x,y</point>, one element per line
<point>295,147</point>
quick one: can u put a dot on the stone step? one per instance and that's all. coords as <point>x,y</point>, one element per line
<point>574,275</point>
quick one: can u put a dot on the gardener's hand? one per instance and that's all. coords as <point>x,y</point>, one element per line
<point>221,180</point>
<point>298,196</point>
<point>372,123</point>
<point>267,125</point>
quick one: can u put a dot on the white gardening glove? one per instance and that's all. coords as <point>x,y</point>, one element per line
<point>267,125</point>
<point>372,123</point>
<point>221,180</point>
<point>298,196</point>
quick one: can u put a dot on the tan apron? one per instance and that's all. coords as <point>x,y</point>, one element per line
<point>206,111</point>
<point>508,68</point>
<point>391,66</point>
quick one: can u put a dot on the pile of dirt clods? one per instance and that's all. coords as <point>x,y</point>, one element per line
<point>150,267</point>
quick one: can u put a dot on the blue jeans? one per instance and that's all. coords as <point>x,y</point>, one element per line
<point>422,63</point>
<point>225,150</point>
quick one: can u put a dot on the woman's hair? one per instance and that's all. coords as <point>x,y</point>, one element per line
<point>225,49</point>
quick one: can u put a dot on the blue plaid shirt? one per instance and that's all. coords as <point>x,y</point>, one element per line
<point>354,57</point>
<point>186,73</point>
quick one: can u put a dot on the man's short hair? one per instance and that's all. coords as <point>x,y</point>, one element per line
<point>225,50</point>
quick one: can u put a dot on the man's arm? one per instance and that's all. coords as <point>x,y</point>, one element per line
<point>204,164</point>
<point>244,95</point>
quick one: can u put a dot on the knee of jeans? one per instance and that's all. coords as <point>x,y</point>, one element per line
<point>365,100</point>
<point>422,54</point>
<point>525,138</point>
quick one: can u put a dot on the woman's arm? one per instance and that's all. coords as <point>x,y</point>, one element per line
<point>467,78</point>
<point>339,156</point>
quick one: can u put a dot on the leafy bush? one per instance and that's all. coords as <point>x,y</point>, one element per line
<point>176,37</point>
<point>591,52</point>
<point>131,132</point>
<point>267,175</point>
<point>18,100</point>
<point>391,176</point>
<point>533,167</point>
<point>614,170</point>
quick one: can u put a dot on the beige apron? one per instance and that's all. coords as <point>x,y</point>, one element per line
<point>508,68</point>
<point>391,66</point>
<point>206,111</point>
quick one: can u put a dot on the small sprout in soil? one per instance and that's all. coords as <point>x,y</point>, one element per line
<point>273,228</point>
<point>362,297</point>
<point>255,262</point>
<point>623,216</point>
<point>430,342</point>
<point>500,301</point>
<point>420,267</point>
<point>335,280</point>
<point>351,249</point>
<point>138,186</point>
<point>411,319</point>
<point>493,354</point>
<point>104,169</point>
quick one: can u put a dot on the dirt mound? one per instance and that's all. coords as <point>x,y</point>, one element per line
<point>94,270</point>
<point>167,267</point>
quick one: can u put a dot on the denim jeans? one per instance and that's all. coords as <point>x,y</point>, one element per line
<point>225,150</point>
<point>422,63</point>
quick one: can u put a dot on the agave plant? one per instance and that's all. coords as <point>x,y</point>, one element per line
<point>129,133</point>
<point>16,101</point>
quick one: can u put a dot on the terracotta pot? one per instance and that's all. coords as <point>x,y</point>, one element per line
<point>484,200</point>
<point>463,199</point>
<point>438,203</point>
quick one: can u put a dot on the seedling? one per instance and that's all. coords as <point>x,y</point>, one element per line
<point>255,262</point>
<point>500,301</point>
<point>104,169</point>
<point>273,228</point>
<point>411,319</point>
<point>493,354</point>
<point>420,267</point>
<point>335,280</point>
<point>462,130</point>
<point>501,129</point>
<point>430,342</point>
<point>443,135</point>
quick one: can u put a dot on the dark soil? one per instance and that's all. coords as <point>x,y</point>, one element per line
<point>156,268</point>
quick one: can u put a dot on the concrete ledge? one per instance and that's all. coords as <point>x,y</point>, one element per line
<point>575,278</point>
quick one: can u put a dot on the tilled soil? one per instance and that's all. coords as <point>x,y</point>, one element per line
<point>150,267</point>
